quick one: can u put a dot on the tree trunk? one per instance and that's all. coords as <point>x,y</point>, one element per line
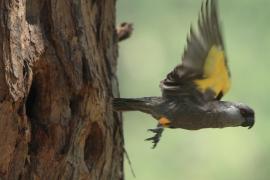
<point>57,80</point>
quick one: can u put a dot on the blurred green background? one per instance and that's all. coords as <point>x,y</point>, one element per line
<point>154,49</point>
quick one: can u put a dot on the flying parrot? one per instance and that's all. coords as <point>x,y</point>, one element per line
<point>192,91</point>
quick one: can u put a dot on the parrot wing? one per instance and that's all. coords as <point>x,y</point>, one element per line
<point>204,69</point>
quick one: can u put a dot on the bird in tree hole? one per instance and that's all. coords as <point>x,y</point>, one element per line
<point>192,91</point>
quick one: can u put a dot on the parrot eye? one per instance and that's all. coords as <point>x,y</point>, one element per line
<point>246,112</point>
<point>243,111</point>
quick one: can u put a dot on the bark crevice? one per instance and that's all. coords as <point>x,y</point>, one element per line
<point>93,146</point>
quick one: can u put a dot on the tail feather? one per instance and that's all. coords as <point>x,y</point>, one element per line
<point>136,104</point>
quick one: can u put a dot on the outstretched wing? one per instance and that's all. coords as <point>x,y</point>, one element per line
<point>204,66</point>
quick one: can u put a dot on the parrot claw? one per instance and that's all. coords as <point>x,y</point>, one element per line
<point>156,138</point>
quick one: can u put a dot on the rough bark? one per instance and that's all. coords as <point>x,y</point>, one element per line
<point>57,79</point>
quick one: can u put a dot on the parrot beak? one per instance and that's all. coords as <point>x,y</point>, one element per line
<point>249,122</point>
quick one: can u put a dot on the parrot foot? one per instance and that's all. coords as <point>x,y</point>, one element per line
<point>156,138</point>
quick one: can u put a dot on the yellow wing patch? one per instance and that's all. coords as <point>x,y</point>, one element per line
<point>216,74</point>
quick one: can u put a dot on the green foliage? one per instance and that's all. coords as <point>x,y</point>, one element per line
<point>155,48</point>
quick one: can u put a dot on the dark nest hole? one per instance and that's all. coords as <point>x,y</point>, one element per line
<point>38,130</point>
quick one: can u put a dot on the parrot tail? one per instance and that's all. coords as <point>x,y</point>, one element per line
<point>145,104</point>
